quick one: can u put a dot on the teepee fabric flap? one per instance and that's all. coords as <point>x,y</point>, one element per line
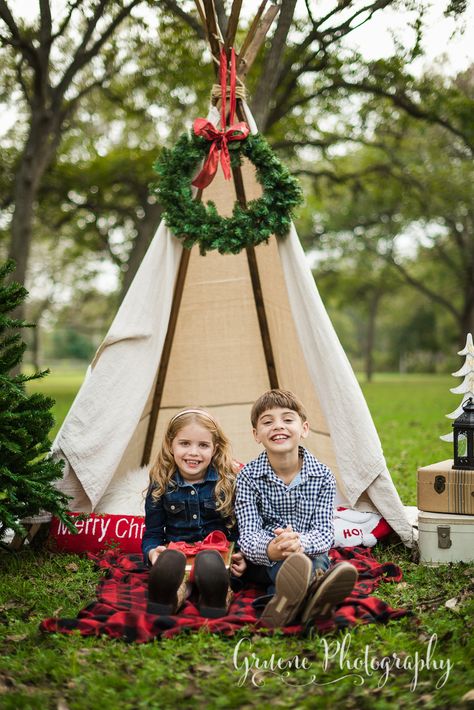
<point>111,401</point>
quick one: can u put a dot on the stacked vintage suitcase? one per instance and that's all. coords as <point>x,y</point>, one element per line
<point>446,513</point>
<point>446,489</point>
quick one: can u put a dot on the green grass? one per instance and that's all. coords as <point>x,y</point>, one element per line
<point>409,413</point>
<point>62,386</point>
<point>198,670</point>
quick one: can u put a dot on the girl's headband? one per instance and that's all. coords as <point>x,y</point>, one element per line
<point>194,411</point>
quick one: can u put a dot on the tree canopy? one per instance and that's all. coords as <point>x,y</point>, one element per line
<point>100,87</point>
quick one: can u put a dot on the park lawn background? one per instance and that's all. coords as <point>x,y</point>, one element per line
<point>199,669</point>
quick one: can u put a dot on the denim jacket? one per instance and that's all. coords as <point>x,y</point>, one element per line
<point>185,512</point>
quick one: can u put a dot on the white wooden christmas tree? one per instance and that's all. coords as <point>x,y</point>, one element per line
<point>466,388</point>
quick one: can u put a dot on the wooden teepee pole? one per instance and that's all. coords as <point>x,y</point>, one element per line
<point>232,24</point>
<point>213,31</point>
<point>165,356</point>
<point>255,38</point>
<point>202,14</point>
<point>255,279</point>
<point>252,28</point>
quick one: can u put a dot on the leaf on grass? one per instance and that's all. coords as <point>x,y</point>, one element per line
<point>57,611</point>
<point>72,567</point>
<point>62,705</point>
<point>16,637</point>
<point>85,651</point>
<point>468,696</point>
<point>205,669</point>
<point>6,683</point>
<point>9,605</point>
<point>451,604</point>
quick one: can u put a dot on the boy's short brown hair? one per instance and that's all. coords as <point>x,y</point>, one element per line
<point>277,398</point>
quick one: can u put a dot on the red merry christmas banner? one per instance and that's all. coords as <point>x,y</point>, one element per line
<point>96,532</point>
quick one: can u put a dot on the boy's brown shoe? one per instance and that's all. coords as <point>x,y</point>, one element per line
<point>292,582</point>
<point>328,590</point>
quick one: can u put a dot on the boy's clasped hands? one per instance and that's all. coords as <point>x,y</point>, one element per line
<point>285,542</point>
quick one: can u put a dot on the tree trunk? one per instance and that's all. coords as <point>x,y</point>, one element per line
<point>37,156</point>
<point>466,322</point>
<point>370,340</point>
<point>146,229</point>
<point>35,346</point>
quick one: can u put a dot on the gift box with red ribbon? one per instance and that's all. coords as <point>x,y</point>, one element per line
<point>216,540</point>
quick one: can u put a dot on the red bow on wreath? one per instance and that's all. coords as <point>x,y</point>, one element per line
<point>219,139</point>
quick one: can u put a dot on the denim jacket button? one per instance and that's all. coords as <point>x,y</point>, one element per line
<point>173,507</point>
<point>194,516</point>
<point>193,493</point>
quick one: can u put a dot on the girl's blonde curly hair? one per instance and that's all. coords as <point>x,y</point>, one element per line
<point>164,464</point>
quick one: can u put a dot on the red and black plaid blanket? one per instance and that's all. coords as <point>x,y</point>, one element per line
<point>120,610</point>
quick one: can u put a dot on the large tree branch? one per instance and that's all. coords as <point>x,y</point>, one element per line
<point>82,55</point>
<point>44,49</point>
<point>78,58</point>
<point>330,35</point>
<point>98,83</point>
<point>457,233</point>
<point>289,85</point>
<point>45,23</point>
<point>67,19</point>
<point>190,20</point>
<point>406,275</point>
<point>398,99</point>
<point>271,72</point>
<point>308,142</point>
<point>21,80</point>
<point>345,177</point>
<point>456,268</point>
<point>422,287</point>
<point>344,28</point>
<point>298,51</point>
<point>105,241</point>
<point>17,40</point>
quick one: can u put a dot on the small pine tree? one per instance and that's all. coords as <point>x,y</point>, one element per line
<point>26,473</point>
<point>466,388</point>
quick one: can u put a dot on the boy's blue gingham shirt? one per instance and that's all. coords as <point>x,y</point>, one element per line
<point>264,502</point>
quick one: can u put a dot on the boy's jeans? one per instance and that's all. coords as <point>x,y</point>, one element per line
<point>265,576</point>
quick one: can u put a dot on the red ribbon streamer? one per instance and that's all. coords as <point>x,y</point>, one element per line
<point>219,149</point>
<point>216,540</point>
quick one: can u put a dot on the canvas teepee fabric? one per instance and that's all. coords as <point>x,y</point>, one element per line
<point>217,358</point>
<point>216,331</point>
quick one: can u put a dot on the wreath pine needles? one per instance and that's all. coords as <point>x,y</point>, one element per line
<point>198,223</point>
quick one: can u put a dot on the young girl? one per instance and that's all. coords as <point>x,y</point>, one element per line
<point>191,494</point>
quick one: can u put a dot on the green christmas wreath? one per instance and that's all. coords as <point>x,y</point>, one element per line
<point>197,223</point>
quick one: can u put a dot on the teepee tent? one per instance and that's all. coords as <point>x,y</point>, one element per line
<point>217,331</point>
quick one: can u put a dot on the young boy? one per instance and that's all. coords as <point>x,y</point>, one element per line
<point>285,509</point>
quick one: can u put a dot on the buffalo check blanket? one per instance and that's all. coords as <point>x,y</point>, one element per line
<point>120,610</point>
